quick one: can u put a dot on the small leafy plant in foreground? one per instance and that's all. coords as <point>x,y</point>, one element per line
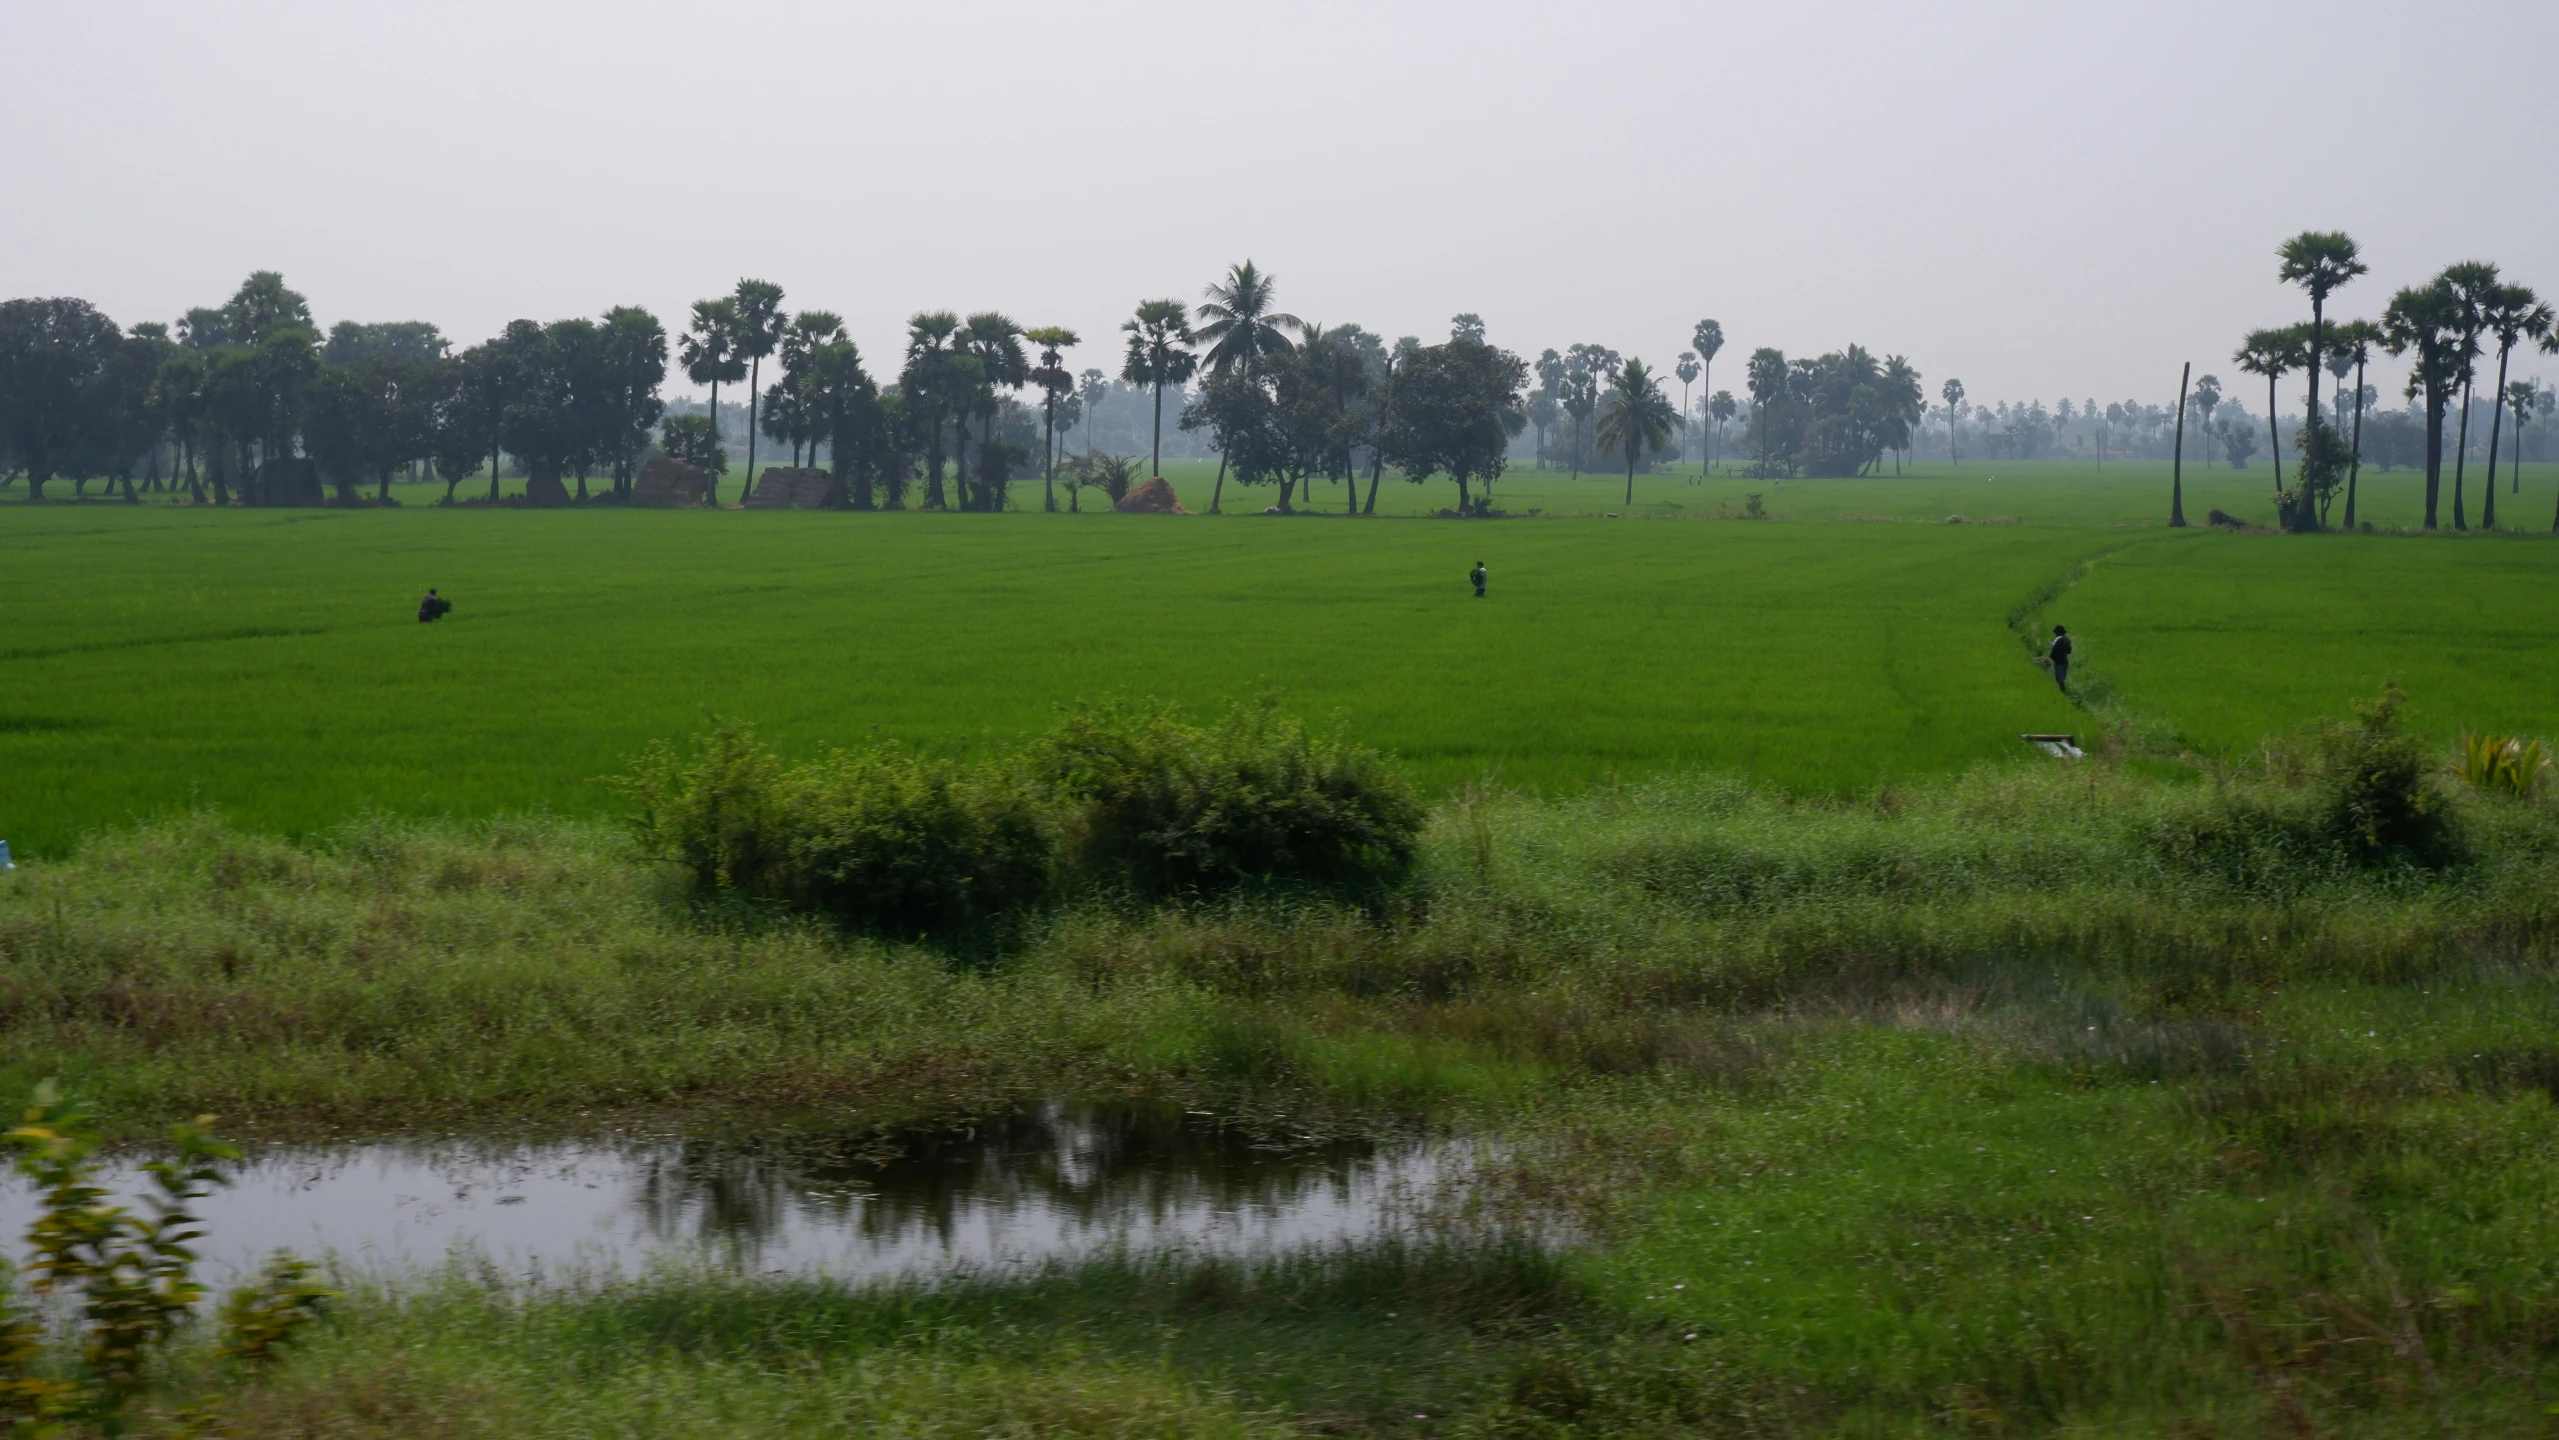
<point>2502,764</point>
<point>133,1275</point>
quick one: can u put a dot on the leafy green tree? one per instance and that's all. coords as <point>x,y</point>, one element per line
<point>758,333</point>
<point>1905,405</point>
<point>1453,408</point>
<point>844,407</point>
<point>53,353</point>
<point>713,351</point>
<point>634,359</point>
<point>1466,325</point>
<point>471,391</point>
<point>693,440</point>
<point>1953,394</point>
<point>1637,418</point>
<point>412,340</point>
<point>1235,408</point>
<point>1545,403</point>
<point>787,413</point>
<point>1056,383</point>
<point>2514,315</point>
<point>1707,340</point>
<point>1322,390</point>
<point>1159,354</point>
<point>2429,320</point>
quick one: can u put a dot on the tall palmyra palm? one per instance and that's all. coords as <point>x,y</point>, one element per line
<point>2514,315</point>
<point>995,342</point>
<point>1706,339</point>
<point>2474,285</point>
<point>2273,354</point>
<point>1636,418</point>
<point>932,355</point>
<point>709,354</point>
<point>759,333</point>
<point>1687,370</point>
<point>2318,261</point>
<point>2355,341</point>
<point>2428,319</point>
<point>1055,381</point>
<point>1159,354</point>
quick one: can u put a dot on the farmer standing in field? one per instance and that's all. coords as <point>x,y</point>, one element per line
<point>2060,654</point>
<point>1477,575</point>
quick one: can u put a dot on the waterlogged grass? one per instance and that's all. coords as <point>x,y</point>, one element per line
<point>2052,1100</point>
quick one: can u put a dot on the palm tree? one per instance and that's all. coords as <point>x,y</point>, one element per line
<point>2354,345</point>
<point>995,343</point>
<point>1687,370</point>
<point>1906,401</point>
<point>1706,338</point>
<point>2208,399</point>
<point>2520,398</point>
<point>806,333</point>
<point>1242,331</point>
<point>2177,460</point>
<point>1159,354</point>
<point>1767,371</point>
<point>1720,409</point>
<point>2272,353</point>
<point>709,353</point>
<point>1953,395</point>
<point>1638,418</point>
<point>2428,319</point>
<point>2318,261</point>
<point>2514,314</point>
<point>1096,386</point>
<point>2474,285</point>
<point>1054,381</point>
<point>759,333</point>
<point>1581,397</point>
<point>927,384</point>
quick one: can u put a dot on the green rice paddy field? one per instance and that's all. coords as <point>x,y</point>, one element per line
<point>267,664</point>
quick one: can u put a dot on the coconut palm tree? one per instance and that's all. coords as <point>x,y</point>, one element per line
<point>2514,314</point>
<point>1054,381</point>
<point>1159,354</point>
<point>1636,418</point>
<point>1242,331</point>
<point>2429,319</point>
<point>709,354</point>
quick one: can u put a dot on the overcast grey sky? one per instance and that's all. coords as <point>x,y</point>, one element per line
<point>2045,199</point>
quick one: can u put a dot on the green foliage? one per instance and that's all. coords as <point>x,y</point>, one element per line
<point>2502,764</point>
<point>887,841</point>
<point>1163,807</point>
<point>2383,801</point>
<point>134,1274</point>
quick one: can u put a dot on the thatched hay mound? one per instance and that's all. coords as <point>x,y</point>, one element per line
<point>669,482</point>
<point>1151,497</point>
<point>790,487</point>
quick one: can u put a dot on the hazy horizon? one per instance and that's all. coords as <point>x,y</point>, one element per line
<point>2045,205</point>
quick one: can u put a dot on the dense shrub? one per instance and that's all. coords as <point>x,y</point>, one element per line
<point>885,840</point>
<point>1161,807</point>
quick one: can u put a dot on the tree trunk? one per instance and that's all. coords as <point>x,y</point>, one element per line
<point>1218,493</point>
<point>2434,452</point>
<point>2496,432</point>
<point>2318,321</point>
<point>2355,447</point>
<point>1155,456</point>
<point>1048,458</point>
<point>960,461</point>
<point>2461,459</point>
<point>2177,465</point>
<point>2274,439</point>
<point>1630,475</point>
<point>1376,470</point>
<point>754,393</point>
<point>711,477</point>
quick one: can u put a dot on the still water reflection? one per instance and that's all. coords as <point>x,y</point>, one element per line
<point>1053,1181</point>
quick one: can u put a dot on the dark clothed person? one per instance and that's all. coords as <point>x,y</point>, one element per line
<point>1477,575</point>
<point>433,607</point>
<point>2060,654</point>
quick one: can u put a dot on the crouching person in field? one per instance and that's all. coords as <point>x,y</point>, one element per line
<point>433,607</point>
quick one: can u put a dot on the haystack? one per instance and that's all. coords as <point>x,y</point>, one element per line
<point>543,488</point>
<point>1152,497</point>
<point>669,482</point>
<point>790,487</point>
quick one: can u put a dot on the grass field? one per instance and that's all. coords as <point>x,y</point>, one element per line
<point>267,664</point>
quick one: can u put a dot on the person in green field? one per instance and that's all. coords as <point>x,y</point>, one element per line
<point>1477,575</point>
<point>2060,653</point>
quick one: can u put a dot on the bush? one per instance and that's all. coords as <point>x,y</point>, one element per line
<point>1160,807</point>
<point>884,840</point>
<point>2383,803</point>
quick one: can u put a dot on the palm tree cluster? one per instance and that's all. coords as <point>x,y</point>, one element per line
<point>1835,414</point>
<point>2438,326</point>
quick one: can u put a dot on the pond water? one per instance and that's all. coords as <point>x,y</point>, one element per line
<point>1055,1181</point>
